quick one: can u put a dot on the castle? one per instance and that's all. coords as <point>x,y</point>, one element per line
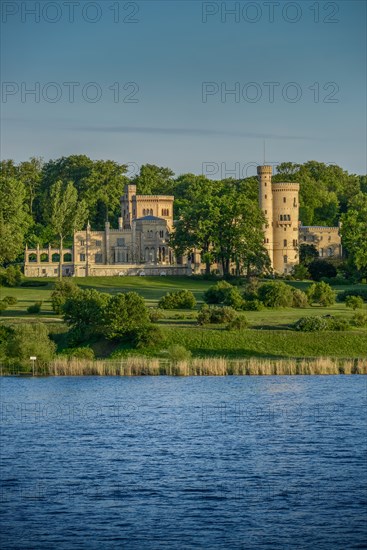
<point>139,245</point>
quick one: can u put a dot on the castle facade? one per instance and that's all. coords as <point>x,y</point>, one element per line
<point>140,243</point>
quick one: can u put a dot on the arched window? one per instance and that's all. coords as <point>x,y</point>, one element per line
<point>32,258</point>
<point>44,257</point>
<point>281,217</point>
<point>55,258</point>
<point>67,257</point>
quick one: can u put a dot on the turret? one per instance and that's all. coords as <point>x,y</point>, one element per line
<point>264,174</point>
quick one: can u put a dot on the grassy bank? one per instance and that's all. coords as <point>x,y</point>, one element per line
<point>140,366</point>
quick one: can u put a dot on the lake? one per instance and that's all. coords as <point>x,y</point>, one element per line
<point>154,463</point>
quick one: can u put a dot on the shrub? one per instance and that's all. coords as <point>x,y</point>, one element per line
<point>321,293</point>
<point>321,268</point>
<point>338,323</point>
<point>300,272</point>
<point>11,276</point>
<point>35,308</point>
<point>362,292</point>
<point>30,340</point>
<point>252,305</point>
<point>359,319</point>
<point>276,294</point>
<point>238,323</point>
<point>10,300</point>
<point>63,290</point>
<point>311,324</point>
<point>354,302</point>
<point>148,336</point>
<point>216,315</point>
<point>251,290</point>
<point>3,306</point>
<point>182,299</point>
<point>216,294</point>
<point>224,293</point>
<point>178,353</point>
<point>155,314</point>
<point>299,298</point>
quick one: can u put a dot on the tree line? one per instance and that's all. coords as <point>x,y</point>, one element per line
<point>45,202</point>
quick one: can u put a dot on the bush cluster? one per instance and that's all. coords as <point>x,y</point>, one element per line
<point>10,300</point>
<point>155,314</point>
<point>11,276</point>
<point>354,302</point>
<point>225,294</point>
<point>238,323</point>
<point>35,308</point>
<point>216,315</point>
<point>359,319</point>
<point>362,292</point>
<point>321,294</point>
<point>182,299</point>
<point>319,324</point>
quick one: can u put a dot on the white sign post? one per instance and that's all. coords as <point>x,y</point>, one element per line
<point>33,359</point>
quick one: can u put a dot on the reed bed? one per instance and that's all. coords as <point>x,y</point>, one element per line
<point>218,366</point>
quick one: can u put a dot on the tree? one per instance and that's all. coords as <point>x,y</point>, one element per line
<point>321,268</point>
<point>354,231</point>
<point>307,253</point>
<point>154,180</point>
<point>30,173</point>
<point>199,219</point>
<point>239,234</point>
<point>354,302</point>
<point>321,293</point>
<point>65,213</point>
<point>84,313</point>
<point>14,219</point>
<point>125,315</point>
<point>29,340</point>
<point>63,290</point>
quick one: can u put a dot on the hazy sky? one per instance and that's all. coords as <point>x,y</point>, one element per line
<point>150,82</point>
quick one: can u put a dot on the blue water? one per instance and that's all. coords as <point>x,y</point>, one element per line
<point>187,463</point>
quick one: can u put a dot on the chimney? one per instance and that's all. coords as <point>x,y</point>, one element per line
<point>121,223</point>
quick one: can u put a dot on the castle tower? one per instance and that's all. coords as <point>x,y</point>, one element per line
<point>285,226</point>
<point>266,204</point>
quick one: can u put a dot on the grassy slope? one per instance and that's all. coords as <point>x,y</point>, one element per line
<point>271,340</point>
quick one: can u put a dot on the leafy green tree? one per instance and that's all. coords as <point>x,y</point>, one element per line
<point>154,180</point>
<point>321,268</point>
<point>307,253</point>
<point>84,313</point>
<point>321,293</point>
<point>29,340</point>
<point>198,224</point>
<point>65,213</point>
<point>239,233</point>
<point>30,173</point>
<point>63,290</point>
<point>354,231</point>
<point>124,315</point>
<point>14,218</point>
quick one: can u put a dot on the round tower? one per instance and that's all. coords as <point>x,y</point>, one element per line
<point>285,230</point>
<point>266,204</point>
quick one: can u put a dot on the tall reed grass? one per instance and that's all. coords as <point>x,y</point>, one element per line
<point>219,366</point>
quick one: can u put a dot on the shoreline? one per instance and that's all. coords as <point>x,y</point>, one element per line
<point>219,366</point>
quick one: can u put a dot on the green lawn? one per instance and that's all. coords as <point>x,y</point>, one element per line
<point>270,335</point>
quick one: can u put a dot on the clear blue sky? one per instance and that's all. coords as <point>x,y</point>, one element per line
<point>168,53</point>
